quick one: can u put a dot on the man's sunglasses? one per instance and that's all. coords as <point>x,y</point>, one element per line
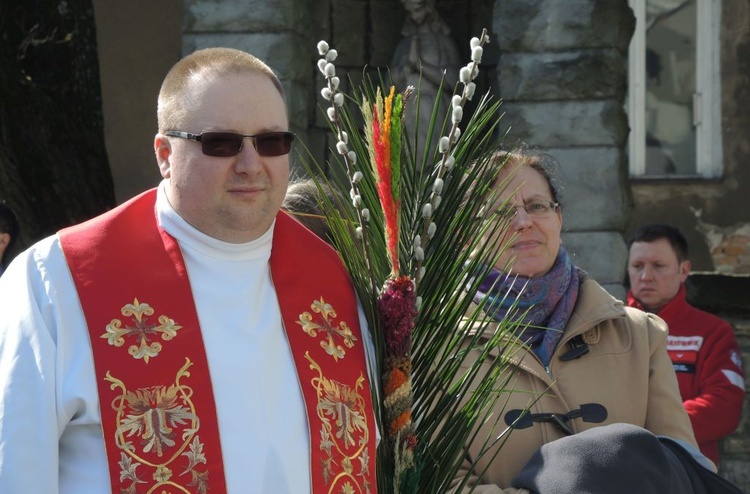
<point>223,144</point>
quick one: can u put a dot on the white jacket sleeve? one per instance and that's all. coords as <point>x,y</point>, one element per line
<point>50,432</point>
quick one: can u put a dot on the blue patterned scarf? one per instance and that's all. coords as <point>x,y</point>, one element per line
<point>544,303</point>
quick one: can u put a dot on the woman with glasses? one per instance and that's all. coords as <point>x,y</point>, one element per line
<point>589,375</point>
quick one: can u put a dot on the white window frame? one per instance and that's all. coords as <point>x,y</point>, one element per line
<point>706,100</point>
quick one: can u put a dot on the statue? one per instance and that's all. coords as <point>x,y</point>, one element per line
<point>424,56</point>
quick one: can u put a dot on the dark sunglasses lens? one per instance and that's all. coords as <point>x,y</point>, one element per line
<point>221,143</point>
<point>274,143</point>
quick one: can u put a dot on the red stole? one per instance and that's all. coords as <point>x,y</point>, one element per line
<point>156,399</point>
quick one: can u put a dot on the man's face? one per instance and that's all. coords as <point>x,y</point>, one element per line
<point>4,241</point>
<point>655,273</point>
<point>234,199</point>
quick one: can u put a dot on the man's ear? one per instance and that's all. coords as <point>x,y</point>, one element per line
<point>4,241</point>
<point>163,150</point>
<point>685,267</point>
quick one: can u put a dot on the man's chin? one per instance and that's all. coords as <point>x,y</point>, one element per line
<point>649,303</point>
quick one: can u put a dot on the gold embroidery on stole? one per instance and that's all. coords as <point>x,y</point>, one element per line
<point>344,430</point>
<point>159,420</point>
<point>142,330</point>
<point>328,328</point>
<point>341,410</point>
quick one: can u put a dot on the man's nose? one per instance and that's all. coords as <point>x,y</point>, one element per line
<point>248,159</point>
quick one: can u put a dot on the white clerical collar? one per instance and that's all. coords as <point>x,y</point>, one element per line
<point>189,236</point>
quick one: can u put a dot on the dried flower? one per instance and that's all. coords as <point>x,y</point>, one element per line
<point>384,133</point>
<point>396,307</point>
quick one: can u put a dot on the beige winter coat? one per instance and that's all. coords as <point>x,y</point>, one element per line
<point>626,370</point>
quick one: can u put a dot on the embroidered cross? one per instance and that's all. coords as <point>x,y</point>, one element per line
<point>142,330</point>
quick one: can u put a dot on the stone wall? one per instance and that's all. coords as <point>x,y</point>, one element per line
<point>277,32</point>
<point>562,75</point>
<point>728,296</point>
<point>729,246</point>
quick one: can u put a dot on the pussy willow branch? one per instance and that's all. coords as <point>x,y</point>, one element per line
<point>443,167</point>
<point>349,159</point>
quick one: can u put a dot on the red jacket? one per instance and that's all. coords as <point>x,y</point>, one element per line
<point>706,358</point>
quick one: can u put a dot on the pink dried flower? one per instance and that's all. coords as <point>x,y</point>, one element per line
<point>397,308</point>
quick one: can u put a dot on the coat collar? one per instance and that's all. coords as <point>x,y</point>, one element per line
<point>594,305</point>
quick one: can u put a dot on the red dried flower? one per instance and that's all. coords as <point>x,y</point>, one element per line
<point>397,308</point>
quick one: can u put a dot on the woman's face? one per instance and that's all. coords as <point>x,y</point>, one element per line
<point>533,239</point>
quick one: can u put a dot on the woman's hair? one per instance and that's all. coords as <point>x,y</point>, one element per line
<point>173,104</point>
<point>543,163</point>
<point>303,201</point>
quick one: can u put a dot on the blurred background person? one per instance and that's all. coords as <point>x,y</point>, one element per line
<point>9,230</point>
<point>703,348</point>
<point>303,202</point>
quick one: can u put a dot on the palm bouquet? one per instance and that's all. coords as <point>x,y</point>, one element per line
<point>410,235</point>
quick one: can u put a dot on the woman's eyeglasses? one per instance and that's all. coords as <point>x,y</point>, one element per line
<point>224,144</point>
<point>536,209</point>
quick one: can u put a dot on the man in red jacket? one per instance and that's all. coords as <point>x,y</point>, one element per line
<point>703,348</point>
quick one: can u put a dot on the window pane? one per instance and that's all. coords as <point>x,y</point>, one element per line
<point>670,85</point>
